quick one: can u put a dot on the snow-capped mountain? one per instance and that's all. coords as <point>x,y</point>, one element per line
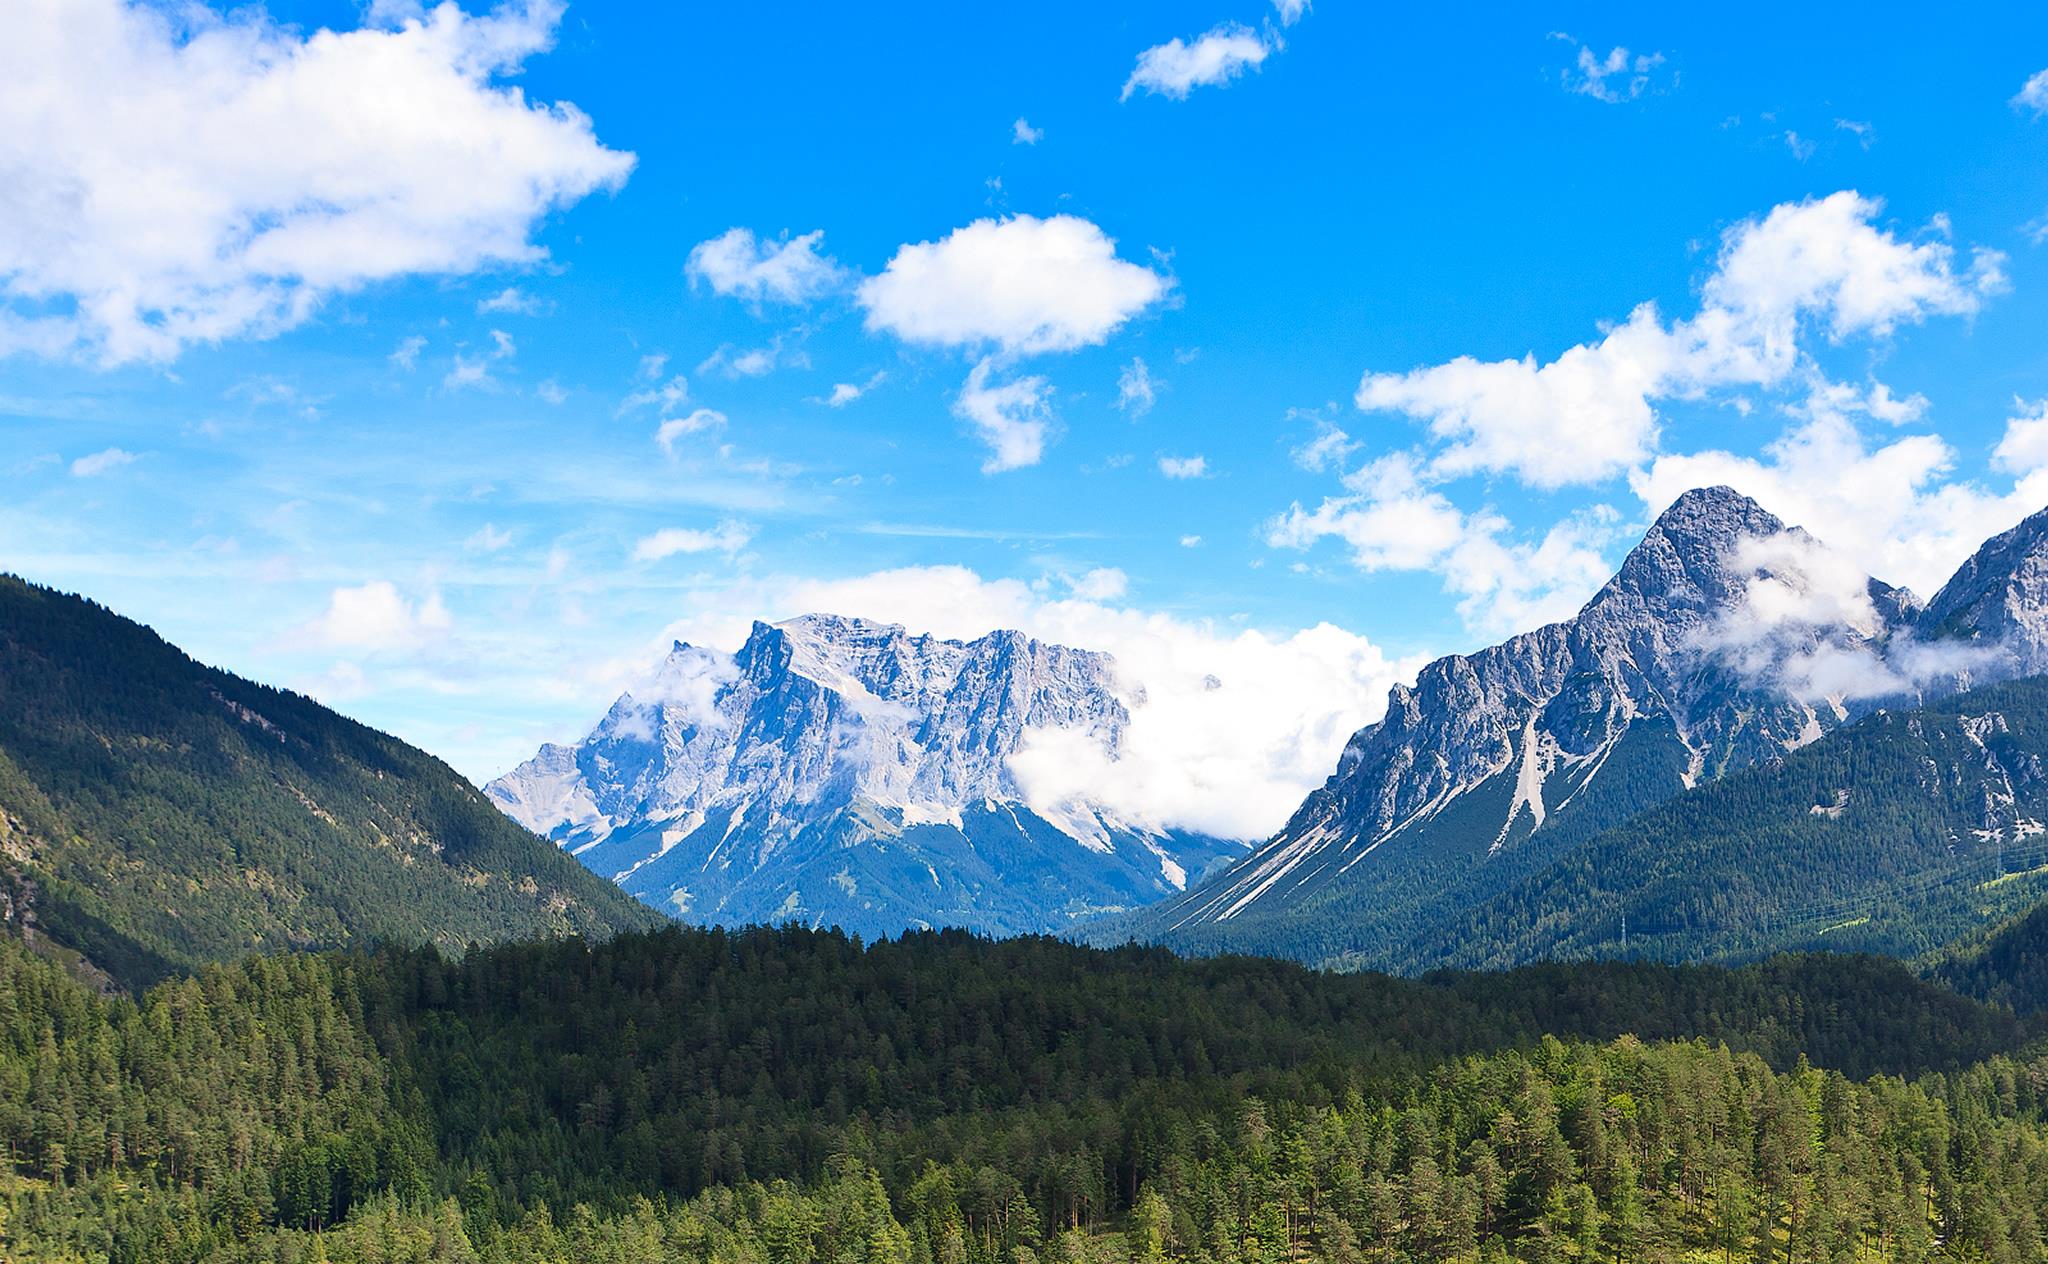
<point>844,772</point>
<point>1726,638</point>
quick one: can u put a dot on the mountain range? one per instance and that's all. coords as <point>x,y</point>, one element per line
<point>843,772</point>
<point>1513,803</point>
<point>1739,745</point>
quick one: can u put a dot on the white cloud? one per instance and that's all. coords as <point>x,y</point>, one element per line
<point>2024,448</point>
<point>551,392</point>
<point>175,176</point>
<point>1013,418</point>
<point>1020,286</point>
<point>510,301</point>
<point>407,354</point>
<point>1191,542</point>
<point>1392,520</point>
<point>1816,266</point>
<point>1024,285</point>
<point>1135,391</point>
<point>101,462</point>
<point>2033,95</point>
<point>1329,450</point>
<point>665,398</point>
<point>488,539</point>
<point>1176,68</point>
<point>1291,11</point>
<point>1889,508</point>
<point>376,616</point>
<point>475,370</point>
<point>696,422</point>
<point>1617,77</point>
<point>1184,466</point>
<point>736,264</point>
<point>1104,583</point>
<point>733,363</point>
<point>1786,628</point>
<point>1022,133</point>
<point>845,393</point>
<point>1230,727</point>
<point>727,537</point>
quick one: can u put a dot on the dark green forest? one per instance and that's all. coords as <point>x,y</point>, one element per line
<point>793,1097</point>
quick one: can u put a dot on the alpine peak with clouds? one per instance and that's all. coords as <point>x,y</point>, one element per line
<point>843,772</point>
<point>449,361</point>
<point>1726,640</point>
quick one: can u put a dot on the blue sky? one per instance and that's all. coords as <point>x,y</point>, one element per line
<point>346,368</point>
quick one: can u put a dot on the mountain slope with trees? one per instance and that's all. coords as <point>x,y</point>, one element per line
<point>156,814</point>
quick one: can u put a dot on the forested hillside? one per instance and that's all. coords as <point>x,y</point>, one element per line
<point>156,814</point>
<point>792,1096</point>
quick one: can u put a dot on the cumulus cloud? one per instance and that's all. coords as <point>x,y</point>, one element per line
<point>1007,289</point>
<point>376,616</point>
<point>1022,133</point>
<point>1135,391</point>
<point>1104,583</point>
<point>1815,267</point>
<point>1013,418</point>
<point>1231,727</point>
<point>737,264</point>
<point>488,538</point>
<point>1023,285</point>
<point>1184,466</point>
<point>177,176</point>
<point>1176,68</point>
<point>727,537</point>
<point>1290,11</point>
<point>2033,95</point>
<point>1391,519</point>
<point>2024,447</point>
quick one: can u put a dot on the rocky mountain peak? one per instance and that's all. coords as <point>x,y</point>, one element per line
<point>844,739</point>
<point>1997,601</point>
<point>1686,560</point>
<point>1661,680</point>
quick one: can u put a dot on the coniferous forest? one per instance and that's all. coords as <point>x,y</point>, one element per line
<point>794,1096</point>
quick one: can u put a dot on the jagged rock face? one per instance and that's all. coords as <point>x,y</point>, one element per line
<point>1486,749</point>
<point>841,771</point>
<point>1997,603</point>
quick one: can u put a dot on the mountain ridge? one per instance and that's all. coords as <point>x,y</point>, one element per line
<point>1725,640</point>
<point>844,771</point>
